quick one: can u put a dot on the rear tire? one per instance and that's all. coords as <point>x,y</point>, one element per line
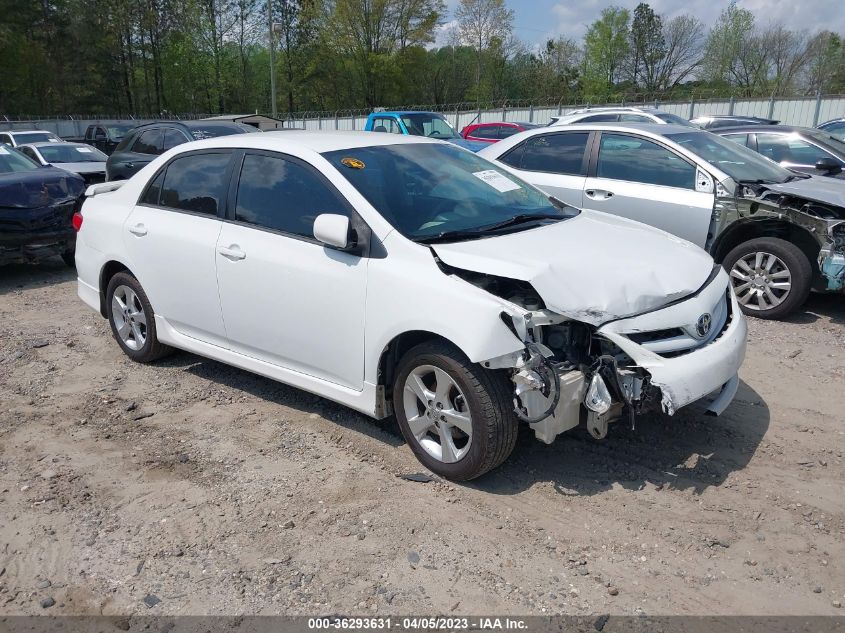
<point>445,395</point>
<point>771,277</point>
<point>132,319</point>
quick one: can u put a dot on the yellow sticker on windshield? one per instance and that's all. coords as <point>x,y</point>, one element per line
<point>353,163</point>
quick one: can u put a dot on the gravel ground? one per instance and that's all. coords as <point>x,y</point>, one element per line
<point>189,487</point>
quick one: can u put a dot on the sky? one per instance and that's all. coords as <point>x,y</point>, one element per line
<point>538,20</point>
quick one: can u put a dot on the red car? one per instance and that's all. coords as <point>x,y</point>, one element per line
<point>492,132</point>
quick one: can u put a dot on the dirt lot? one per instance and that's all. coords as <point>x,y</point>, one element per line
<point>215,491</point>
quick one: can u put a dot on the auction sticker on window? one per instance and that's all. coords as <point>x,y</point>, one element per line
<point>496,180</point>
<point>84,150</point>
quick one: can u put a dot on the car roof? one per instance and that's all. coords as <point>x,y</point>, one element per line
<point>388,112</point>
<point>739,117</point>
<point>660,129</point>
<point>648,109</point>
<point>53,144</point>
<point>762,128</point>
<point>839,120</point>
<point>314,141</point>
<point>26,132</point>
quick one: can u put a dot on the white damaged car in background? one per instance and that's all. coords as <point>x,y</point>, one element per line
<point>406,276</point>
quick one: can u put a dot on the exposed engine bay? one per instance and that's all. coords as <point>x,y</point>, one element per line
<point>567,374</point>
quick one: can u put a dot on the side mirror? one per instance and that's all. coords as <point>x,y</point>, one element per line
<point>829,165</point>
<point>333,230</point>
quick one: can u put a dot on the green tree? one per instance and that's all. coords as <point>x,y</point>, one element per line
<point>484,25</point>
<point>647,48</point>
<point>606,47</point>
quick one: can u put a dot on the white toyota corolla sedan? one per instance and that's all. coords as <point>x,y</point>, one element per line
<point>409,277</point>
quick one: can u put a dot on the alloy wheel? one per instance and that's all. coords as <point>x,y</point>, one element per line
<point>438,413</point>
<point>761,280</point>
<point>129,317</point>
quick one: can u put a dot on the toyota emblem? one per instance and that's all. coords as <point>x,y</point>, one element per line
<point>702,327</point>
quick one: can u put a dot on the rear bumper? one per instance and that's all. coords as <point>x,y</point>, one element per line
<point>16,248</point>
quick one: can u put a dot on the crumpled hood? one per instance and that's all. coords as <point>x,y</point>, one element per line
<point>39,187</point>
<point>818,188</point>
<point>593,268</point>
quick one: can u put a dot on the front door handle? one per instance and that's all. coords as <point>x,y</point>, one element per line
<point>598,194</point>
<point>139,229</point>
<point>233,252</point>
<point>129,165</point>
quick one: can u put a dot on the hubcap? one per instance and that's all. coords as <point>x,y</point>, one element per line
<point>437,413</point>
<point>129,318</point>
<point>761,281</point>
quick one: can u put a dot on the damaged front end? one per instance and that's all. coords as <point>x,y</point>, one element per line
<point>572,373</point>
<point>568,375</point>
<point>813,206</point>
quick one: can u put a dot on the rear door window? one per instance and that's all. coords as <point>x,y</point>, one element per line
<point>634,118</point>
<point>635,159</point>
<point>599,118</point>
<point>197,183</point>
<point>387,124</point>
<point>487,131</point>
<point>551,153</point>
<point>172,138</point>
<point>148,143</point>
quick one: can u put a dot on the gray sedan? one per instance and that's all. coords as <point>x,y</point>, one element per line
<point>78,158</point>
<point>779,233</point>
<point>803,149</point>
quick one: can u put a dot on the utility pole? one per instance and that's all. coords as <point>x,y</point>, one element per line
<point>272,59</point>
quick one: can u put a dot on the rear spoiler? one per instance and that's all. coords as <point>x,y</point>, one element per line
<point>103,187</point>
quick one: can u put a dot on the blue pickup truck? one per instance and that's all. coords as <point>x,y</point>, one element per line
<point>430,124</point>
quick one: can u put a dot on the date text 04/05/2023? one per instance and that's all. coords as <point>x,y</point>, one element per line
<point>417,623</point>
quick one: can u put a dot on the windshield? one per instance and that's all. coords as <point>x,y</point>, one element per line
<point>117,132</point>
<point>70,153</point>
<point>11,160</point>
<point>738,162</point>
<point>35,137</point>
<point>831,141</point>
<point>428,124</point>
<point>668,117</point>
<point>434,191</point>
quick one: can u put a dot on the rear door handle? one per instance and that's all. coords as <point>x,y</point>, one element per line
<point>139,229</point>
<point>598,194</point>
<point>130,165</point>
<point>233,252</point>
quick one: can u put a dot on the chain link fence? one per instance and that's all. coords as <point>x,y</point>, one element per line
<point>801,110</point>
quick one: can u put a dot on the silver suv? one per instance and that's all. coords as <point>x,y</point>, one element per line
<point>779,233</point>
<point>620,115</point>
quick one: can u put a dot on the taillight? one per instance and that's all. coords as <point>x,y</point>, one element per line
<point>76,221</point>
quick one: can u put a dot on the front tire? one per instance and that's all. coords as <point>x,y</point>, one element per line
<point>132,319</point>
<point>456,416</point>
<point>770,276</point>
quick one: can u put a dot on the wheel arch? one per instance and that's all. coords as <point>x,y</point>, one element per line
<point>744,231</point>
<point>397,347</point>
<point>109,270</point>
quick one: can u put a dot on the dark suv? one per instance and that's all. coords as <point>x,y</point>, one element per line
<point>145,142</point>
<point>107,136</point>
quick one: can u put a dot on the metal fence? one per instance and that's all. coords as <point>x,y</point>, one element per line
<point>806,111</point>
